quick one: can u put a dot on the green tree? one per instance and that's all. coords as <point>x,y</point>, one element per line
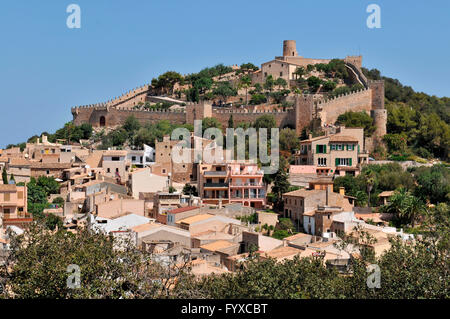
<point>299,72</point>
<point>131,125</point>
<point>265,121</point>
<point>289,140</point>
<point>369,177</point>
<point>231,122</point>
<point>433,183</point>
<point>405,207</point>
<point>166,82</point>
<point>224,90</point>
<point>357,119</point>
<point>280,184</point>
<point>4,175</point>
<point>268,85</point>
<point>209,122</point>
<point>245,82</point>
<point>314,83</point>
<point>190,190</point>
<point>281,83</point>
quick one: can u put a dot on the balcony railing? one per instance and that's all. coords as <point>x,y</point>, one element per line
<point>215,173</point>
<point>247,184</point>
<point>246,173</point>
<point>206,185</point>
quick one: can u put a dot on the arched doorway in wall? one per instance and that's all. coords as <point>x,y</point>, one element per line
<point>102,121</point>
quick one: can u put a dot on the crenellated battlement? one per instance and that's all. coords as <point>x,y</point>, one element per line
<point>259,112</point>
<point>361,92</point>
<point>118,100</point>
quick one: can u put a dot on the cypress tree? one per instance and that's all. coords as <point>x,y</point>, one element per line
<point>4,176</point>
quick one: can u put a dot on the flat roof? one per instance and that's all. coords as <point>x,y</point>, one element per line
<point>195,219</point>
<point>182,209</point>
<point>220,244</point>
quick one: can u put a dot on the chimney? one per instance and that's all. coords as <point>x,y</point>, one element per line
<point>342,191</point>
<point>309,136</point>
<point>44,139</point>
<point>328,191</point>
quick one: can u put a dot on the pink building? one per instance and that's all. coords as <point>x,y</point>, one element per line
<point>13,205</point>
<point>232,183</point>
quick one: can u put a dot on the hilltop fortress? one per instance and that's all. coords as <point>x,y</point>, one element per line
<point>306,106</point>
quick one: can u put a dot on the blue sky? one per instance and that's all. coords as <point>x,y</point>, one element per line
<point>45,68</point>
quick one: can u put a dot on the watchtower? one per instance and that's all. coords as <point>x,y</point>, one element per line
<point>289,48</point>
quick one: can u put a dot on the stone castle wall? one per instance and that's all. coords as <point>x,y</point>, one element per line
<point>114,116</point>
<point>356,102</point>
<point>298,117</point>
<point>283,119</point>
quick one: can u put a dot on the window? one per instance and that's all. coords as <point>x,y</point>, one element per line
<point>133,158</point>
<point>343,162</point>
<point>322,162</point>
<point>108,170</point>
<point>164,171</point>
<point>7,197</point>
<point>19,195</point>
<point>321,149</point>
<point>333,147</point>
<point>6,210</point>
<point>47,172</point>
<point>281,73</point>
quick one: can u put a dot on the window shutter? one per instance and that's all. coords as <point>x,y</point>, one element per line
<point>337,162</point>
<point>324,149</point>
<point>350,161</point>
<point>317,148</point>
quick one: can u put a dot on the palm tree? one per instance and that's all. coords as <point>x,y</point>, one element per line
<point>416,208</point>
<point>268,85</point>
<point>369,177</point>
<point>245,82</point>
<point>299,72</point>
<point>405,206</point>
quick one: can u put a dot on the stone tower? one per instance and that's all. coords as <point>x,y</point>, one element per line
<point>289,48</point>
<point>304,108</point>
<point>378,112</point>
<point>198,111</point>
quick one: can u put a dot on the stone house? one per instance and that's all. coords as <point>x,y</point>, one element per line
<point>336,154</point>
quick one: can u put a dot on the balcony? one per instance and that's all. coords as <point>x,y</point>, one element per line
<point>247,173</point>
<point>254,184</point>
<point>215,185</point>
<point>215,173</point>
